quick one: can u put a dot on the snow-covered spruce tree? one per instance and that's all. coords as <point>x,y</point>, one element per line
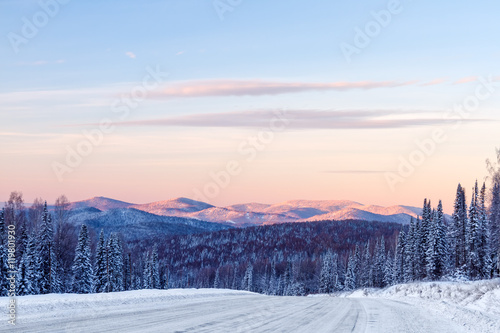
<point>262,282</point>
<point>473,238</point>
<point>484,237</point>
<point>494,217</point>
<point>100,266</point>
<point>273,280</point>
<point>398,275</point>
<point>32,274</point>
<point>217,279</point>
<point>235,283</point>
<point>297,289</point>
<point>389,269</point>
<point>126,271</point>
<point>458,231</point>
<point>44,252</point>
<point>418,244</point>
<point>379,263</point>
<point>146,273</point>
<point>4,267</point>
<point>327,274</point>
<point>64,241</point>
<point>27,274</point>
<point>338,282</point>
<point>423,240</point>
<point>364,262</point>
<point>350,276</point>
<point>115,263</point>
<point>287,279</point>
<point>409,250</point>
<point>82,267</point>
<point>437,250</point>
<point>494,212</point>
<point>365,267</point>
<point>247,282</point>
<point>155,268</point>
<point>136,275</point>
<point>166,278</point>
<point>56,274</point>
<point>23,285</point>
<point>134,278</point>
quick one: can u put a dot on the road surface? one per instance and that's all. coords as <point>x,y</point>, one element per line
<point>240,313</point>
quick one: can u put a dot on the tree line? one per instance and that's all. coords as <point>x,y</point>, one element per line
<point>280,259</point>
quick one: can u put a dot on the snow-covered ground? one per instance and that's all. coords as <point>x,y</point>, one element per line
<point>417,307</point>
<point>474,305</point>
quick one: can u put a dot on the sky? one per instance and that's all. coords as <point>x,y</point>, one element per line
<point>231,101</point>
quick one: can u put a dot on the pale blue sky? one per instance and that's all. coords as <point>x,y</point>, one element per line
<point>64,79</point>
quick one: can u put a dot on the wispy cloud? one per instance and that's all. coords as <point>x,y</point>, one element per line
<point>29,135</point>
<point>298,119</point>
<point>433,82</point>
<point>466,80</point>
<point>130,55</point>
<point>230,87</point>
<point>179,53</point>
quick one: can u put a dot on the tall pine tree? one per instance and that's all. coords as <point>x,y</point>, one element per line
<point>115,262</point>
<point>458,231</point>
<point>494,216</point>
<point>473,238</point>
<point>437,250</point>
<point>45,256</point>
<point>101,265</point>
<point>82,267</point>
<point>327,274</point>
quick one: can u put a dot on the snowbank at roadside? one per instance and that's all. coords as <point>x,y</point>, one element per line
<point>474,304</point>
<point>481,295</point>
<point>36,307</point>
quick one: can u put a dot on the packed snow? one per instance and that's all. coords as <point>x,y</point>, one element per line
<point>473,304</point>
<point>414,307</point>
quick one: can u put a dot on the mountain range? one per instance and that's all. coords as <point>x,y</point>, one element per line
<point>136,224</point>
<point>249,214</point>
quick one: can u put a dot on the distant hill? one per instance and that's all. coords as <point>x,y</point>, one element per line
<point>173,207</point>
<point>248,214</point>
<point>137,224</point>
<point>101,203</point>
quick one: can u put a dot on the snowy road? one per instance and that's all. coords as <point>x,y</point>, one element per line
<point>225,312</point>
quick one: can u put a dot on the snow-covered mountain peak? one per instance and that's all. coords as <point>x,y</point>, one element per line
<point>258,213</point>
<point>101,203</point>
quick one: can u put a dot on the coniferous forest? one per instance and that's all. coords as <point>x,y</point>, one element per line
<point>53,256</point>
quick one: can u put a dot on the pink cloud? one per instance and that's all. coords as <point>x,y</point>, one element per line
<point>227,87</point>
<point>130,55</point>
<point>433,82</point>
<point>466,80</point>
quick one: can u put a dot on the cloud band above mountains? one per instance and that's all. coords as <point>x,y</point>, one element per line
<point>297,119</point>
<point>227,87</point>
